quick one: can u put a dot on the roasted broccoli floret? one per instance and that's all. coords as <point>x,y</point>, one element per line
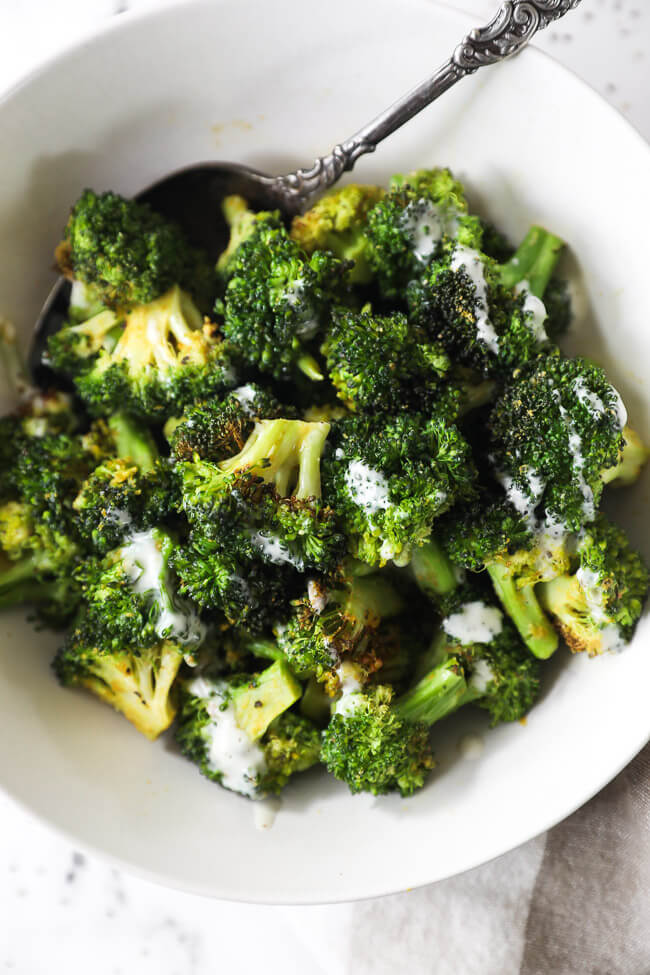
<point>337,620</point>
<point>277,300</point>
<point>337,223</point>
<point>131,600</point>
<point>596,607</point>
<point>214,430</point>
<point>242,222</point>
<point>475,657</point>
<point>129,254</point>
<point>166,356</point>
<point>389,477</point>
<point>239,731</point>
<point>135,681</point>
<point>633,457</point>
<point>382,362</point>
<point>555,430</point>
<point>406,229</point>
<point>494,536</point>
<point>36,564</point>
<point>488,316</point>
<point>371,748</point>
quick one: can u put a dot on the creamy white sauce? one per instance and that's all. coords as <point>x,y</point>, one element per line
<point>145,570</point>
<point>474,623</point>
<point>119,517</point>
<point>293,294</point>
<point>611,639</point>
<point>229,750</point>
<point>535,313</point>
<point>482,675</point>
<point>369,488</point>
<point>590,584</point>
<point>245,396</point>
<point>350,697</point>
<point>317,596</point>
<point>621,412</point>
<point>469,260</point>
<point>265,811</point>
<point>275,550</point>
<point>425,225</point>
<point>589,399</point>
<point>577,457</point>
<point>524,502</point>
<point>471,746</point>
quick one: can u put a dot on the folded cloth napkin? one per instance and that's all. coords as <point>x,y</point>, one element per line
<point>575,901</point>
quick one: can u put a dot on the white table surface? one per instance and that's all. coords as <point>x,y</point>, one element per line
<point>62,911</point>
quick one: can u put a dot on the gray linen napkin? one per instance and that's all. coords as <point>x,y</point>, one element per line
<point>575,901</point>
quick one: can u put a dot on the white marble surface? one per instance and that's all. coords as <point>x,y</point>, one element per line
<point>61,910</point>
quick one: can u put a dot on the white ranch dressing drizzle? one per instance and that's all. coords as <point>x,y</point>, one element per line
<point>229,750</point>
<point>535,313</point>
<point>265,811</point>
<point>350,687</point>
<point>521,501</point>
<point>482,675</point>
<point>425,226</point>
<point>144,567</point>
<point>474,623</point>
<point>369,488</point>
<point>469,261</point>
<point>275,550</point>
<point>245,396</point>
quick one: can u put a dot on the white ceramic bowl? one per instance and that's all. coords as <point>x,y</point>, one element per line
<point>274,84</point>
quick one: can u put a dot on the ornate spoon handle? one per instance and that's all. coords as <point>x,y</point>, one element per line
<point>508,32</point>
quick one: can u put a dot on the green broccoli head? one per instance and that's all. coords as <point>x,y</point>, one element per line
<point>237,730</point>
<point>336,620</point>
<point>166,357</point>
<point>337,223</point>
<point>554,430</point>
<point>131,600</point>
<point>217,429</point>
<point>382,360</point>
<point>407,228</point>
<point>137,682</point>
<point>388,478</point>
<point>242,222</point>
<point>370,748</point>
<point>129,254</point>
<point>476,657</point>
<point>277,300</point>
<point>37,563</point>
<point>598,605</point>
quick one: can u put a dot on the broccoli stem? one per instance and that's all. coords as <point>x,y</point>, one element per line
<point>534,261</point>
<point>133,442</point>
<point>432,569</point>
<point>32,591</point>
<point>523,608</point>
<point>441,691</point>
<point>308,365</point>
<point>24,571</point>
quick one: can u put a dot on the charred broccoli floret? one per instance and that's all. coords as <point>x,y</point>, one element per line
<point>136,681</point>
<point>129,254</point>
<point>389,478</point>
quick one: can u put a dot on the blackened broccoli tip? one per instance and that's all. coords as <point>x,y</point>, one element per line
<point>375,359</point>
<point>598,605</point>
<point>370,748</point>
<point>336,621</point>
<point>556,428</point>
<point>136,682</point>
<point>129,254</point>
<point>337,223</point>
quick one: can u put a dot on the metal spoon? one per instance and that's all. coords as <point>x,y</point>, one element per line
<point>192,196</point>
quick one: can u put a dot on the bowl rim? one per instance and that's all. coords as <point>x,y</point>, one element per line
<point>118,23</point>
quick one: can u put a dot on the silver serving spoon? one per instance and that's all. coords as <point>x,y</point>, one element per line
<point>192,196</point>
